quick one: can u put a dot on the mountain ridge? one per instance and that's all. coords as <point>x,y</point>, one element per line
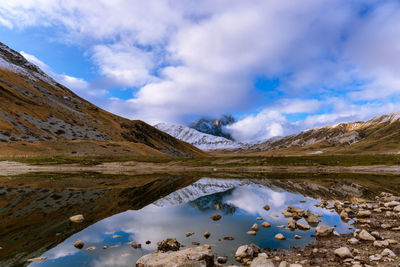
<point>39,115</point>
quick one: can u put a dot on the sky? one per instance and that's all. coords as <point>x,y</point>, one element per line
<point>278,67</point>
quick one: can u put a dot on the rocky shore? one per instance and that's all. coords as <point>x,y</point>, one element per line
<point>374,241</point>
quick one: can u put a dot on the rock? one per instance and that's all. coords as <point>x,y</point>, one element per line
<point>344,215</point>
<point>207,235</point>
<point>353,241</point>
<point>267,207</point>
<point>297,237</point>
<point>36,259</point>
<point>323,230</point>
<point>194,243</point>
<point>387,252</point>
<point>77,218</point>
<point>259,219</point>
<point>375,258</point>
<point>381,244</point>
<point>265,225</point>
<point>386,226</point>
<point>189,234</point>
<point>291,225</point>
<point>251,232</point>
<point>262,261</point>
<point>312,220</point>
<point>255,227</point>
<point>79,244</point>
<point>275,215</point>
<point>280,237</point>
<point>198,256</point>
<point>215,217</point>
<point>392,241</point>
<point>364,235</point>
<point>91,248</point>
<point>106,247</point>
<point>396,209</point>
<point>222,260</point>
<point>229,238</point>
<point>283,264</point>
<point>303,227</point>
<point>116,236</point>
<point>363,213</point>
<point>136,246</point>
<point>295,265</point>
<point>286,213</point>
<point>392,204</point>
<point>169,244</point>
<point>343,252</point>
<point>246,253</point>
<point>376,234</point>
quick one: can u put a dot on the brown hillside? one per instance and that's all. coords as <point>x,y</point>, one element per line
<point>38,113</point>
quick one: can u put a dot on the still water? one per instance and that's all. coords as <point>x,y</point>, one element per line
<point>189,209</point>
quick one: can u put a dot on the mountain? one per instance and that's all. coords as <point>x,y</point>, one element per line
<point>196,138</point>
<point>39,116</point>
<point>377,135</point>
<point>214,126</point>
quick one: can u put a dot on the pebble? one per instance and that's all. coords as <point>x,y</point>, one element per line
<point>297,237</point>
<point>267,207</point>
<point>189,234</point>
<point>280,237</point>
<point>194,243</point>
<point>259,219</point>
<point>222,260</point>
<point>215,217</point>
<point>343,252</point>
<point>251,232</point>
<point>79,244</point>
<point>91,248</point>
<point>255,227</point>
<point>134,245</point>
<point>77,218</point>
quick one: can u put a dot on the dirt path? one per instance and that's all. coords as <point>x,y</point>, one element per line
<point>15,168</point>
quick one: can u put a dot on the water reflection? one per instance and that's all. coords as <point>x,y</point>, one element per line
<point>188,210</point>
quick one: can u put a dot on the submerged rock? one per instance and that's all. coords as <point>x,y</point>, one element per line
<point>77,218</point>
<point>169,244</point>
<point>199,256</point>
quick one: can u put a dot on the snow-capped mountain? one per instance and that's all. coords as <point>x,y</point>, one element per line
<point>379,134</point>
<point>214,126</point>
<point>196,138</point>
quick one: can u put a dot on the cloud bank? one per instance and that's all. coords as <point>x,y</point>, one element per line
<point>333,60</point>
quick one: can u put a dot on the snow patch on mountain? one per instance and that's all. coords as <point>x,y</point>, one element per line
<point>196,138</point>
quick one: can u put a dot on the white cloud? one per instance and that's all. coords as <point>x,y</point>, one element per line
<point>201,58</point>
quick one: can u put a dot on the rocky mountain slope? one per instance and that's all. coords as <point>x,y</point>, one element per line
<point>377,135</point>
<point>196,138</point>
<point>213,126</point>
<point>36,113</point>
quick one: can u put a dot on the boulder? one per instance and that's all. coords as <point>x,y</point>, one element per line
<point>246,253</point>
<point>291,225</point>
<point>262,261</point>
<point>198,256</point>
<point>77,218</point>
<point>364,235</point>
<point>323,230</point>
<point>312,220</point>
<point>169,244</point>
<point>343,252</point>
<point>280,237</point>
<point>388,253</point>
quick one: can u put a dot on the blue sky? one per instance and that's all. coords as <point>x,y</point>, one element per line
<point>278,67</point>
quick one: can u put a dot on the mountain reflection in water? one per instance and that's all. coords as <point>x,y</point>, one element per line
<point>188,209</point>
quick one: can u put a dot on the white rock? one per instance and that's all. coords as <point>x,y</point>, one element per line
<point>343,252</point>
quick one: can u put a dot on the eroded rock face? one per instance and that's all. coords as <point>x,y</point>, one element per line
<point>191,257</point>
